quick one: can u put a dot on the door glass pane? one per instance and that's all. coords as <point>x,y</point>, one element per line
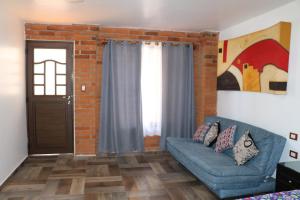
<point>40,55</point>
<point>50,78</point>
<point>60,68</point>
<point>38,79</point>
<point>38,90</point>
<point>61,90</point>
<point>61,79</point>
<point>39,68</point>
<point>50,71</point>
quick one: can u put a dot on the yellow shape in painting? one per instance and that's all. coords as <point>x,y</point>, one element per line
<point>272,73</point>
<point>251,79</point>
<point>285,35</point>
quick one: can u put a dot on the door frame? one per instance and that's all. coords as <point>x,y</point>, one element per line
<point>48,44</point>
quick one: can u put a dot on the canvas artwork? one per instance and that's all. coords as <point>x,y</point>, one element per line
<point>257,62</point>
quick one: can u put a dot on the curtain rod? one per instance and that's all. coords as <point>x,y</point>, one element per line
<point>141,40</point>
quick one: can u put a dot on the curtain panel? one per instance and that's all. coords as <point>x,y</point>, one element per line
<point>177,92</point>
<point>121,128</point>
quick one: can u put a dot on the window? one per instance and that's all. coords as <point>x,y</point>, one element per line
<point>151,87</point>
<point>49,72</point>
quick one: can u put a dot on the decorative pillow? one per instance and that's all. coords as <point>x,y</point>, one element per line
<point>244,149</point>
<point>212,134</point>
<point>225,139</point>
<point>200,132</point>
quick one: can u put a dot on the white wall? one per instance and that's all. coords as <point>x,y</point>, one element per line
<point>277,113</point>
<point>13,134</point>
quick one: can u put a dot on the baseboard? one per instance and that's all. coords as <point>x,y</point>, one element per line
<point>84,155</point>
<point>51,154</point>
<point>13,171</point>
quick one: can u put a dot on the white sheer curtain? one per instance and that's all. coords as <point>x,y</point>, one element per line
<point>151,76</point>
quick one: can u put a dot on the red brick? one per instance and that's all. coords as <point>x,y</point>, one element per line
<point>173,39</point>
<point>82,56</point>
<point>94,28</point>
<point>172,34</point>
<point>90,42</point>
<point>57,27</point>
<point>47,33</point>
<point>145,37</point>
<point>151,33</point>
<point>114,30</point>
<point>87,52</point>
<point>136,31</point>
<point>37,27</point>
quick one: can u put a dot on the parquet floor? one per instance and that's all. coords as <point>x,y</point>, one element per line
<point>148,176</point>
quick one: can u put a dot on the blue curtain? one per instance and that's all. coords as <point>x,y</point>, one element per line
<point>177,92</point>
<point>121,128</point>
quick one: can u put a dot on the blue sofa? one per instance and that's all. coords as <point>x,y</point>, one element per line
<point>219,171</point>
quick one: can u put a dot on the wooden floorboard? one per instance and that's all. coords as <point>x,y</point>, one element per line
<point>147,176</point>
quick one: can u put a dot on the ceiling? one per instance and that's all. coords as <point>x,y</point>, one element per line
<point>180,15</point>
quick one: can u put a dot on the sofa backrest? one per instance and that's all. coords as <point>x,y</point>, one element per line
<point>270,145</point>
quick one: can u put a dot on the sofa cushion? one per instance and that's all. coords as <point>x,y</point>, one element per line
<point>244,149</point>
<point>201,132</point>
<point>212,134</point>
<point>225,139</point>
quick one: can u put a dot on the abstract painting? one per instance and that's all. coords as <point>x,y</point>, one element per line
<point>257,62</point>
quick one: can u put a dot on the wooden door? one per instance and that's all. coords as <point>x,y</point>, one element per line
<point>49,96</point>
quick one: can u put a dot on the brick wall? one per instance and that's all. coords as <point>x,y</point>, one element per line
<point>88,62</point>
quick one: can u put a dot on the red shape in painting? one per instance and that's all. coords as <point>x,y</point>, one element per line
<point>262,53</point>
<point>225,44</point>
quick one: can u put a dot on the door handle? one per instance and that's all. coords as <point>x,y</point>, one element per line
<point>67,97</point>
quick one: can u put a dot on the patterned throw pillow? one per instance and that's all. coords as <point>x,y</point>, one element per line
<point>225,139</point>
<point>212,134</point>
<point>200,132</point>
<point>244,149</point>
